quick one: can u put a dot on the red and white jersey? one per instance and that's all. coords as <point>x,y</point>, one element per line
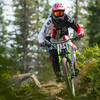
<point>50,28</point>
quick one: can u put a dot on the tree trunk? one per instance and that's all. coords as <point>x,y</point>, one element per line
<point>76,11</point>
<point>25,58</point>
<point>18,79</point>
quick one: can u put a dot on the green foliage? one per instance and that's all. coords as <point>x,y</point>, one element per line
<point>94,22</point>
<point>6,71</point>
<point>88,54</point>
<point>28,22</point>
<point>89,61</point>
<point>27,92</point>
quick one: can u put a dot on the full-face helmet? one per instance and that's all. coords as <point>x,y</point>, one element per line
<point>58,11</point>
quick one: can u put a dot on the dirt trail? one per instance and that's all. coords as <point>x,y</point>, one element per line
<point>53,88</point>
<point>58,91</point>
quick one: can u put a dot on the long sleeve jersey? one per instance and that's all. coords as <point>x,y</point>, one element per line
<point>50,28</point>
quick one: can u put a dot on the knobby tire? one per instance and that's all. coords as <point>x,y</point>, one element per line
<point>67,77</point>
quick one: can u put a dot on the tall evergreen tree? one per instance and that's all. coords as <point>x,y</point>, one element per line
<point>6,62</point>
<point>28,21</point>
<point>94,22</point>
<point>25,22</point>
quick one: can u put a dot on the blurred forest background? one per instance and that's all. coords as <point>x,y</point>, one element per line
<point>20,52</point>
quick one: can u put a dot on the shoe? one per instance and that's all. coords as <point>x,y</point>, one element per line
<point>76,71</point>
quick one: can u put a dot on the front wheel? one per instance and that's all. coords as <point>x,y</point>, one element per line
<point>67,76</point>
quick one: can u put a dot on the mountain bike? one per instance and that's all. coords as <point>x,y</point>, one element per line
<point>66,67</point>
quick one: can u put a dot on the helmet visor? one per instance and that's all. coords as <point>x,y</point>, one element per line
<point>58,13</point>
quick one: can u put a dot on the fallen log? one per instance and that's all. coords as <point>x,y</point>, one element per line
<point>18,79</point>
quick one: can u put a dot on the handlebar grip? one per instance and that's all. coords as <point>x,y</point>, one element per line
<point>47,43</point>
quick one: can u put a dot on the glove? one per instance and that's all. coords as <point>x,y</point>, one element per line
<point>80,36</point>
<point>42,44</point>
<point>80,32</point>
<point>65,37</point>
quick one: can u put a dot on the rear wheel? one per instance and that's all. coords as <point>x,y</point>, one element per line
<point>67,76</point>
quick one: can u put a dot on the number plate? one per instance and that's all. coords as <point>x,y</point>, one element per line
<point>62,46</point>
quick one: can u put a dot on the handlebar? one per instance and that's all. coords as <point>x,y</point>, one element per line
<point>54,44</point>
<point>48,43</point>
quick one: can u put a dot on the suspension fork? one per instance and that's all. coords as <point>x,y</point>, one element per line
<point>70,62</point>
<point>60,64</point>
<point>59,59</point>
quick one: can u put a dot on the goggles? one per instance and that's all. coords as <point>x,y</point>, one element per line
<point>58,13</point>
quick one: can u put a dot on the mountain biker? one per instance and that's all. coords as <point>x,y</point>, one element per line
<point>55,28</point>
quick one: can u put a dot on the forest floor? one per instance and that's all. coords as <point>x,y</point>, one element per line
<point>58,91</point>
<point>53,90</point>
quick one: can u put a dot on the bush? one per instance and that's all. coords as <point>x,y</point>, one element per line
<point>89,61</point>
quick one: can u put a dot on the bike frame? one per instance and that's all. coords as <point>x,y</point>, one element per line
<point>64,47</point>
<point>60,45</point>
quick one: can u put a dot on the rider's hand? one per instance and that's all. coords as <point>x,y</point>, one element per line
<point>65,37</point>
<point>80,36</point>
<point>42,44</point>
<point>80,32</point>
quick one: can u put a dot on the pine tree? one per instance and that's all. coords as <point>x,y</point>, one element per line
<point>28,21</point>
<point>94,22</point>
<point>6,62</point>
<point>25,32</point>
